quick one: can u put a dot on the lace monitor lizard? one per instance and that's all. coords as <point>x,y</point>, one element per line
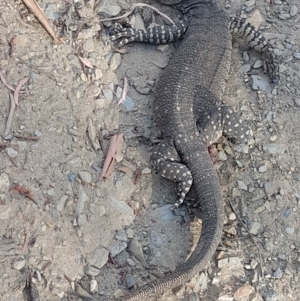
<point>188,110</point>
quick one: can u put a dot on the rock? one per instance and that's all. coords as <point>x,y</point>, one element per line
<point>4,213</point>
<point>61,203</point>
<point>117,247</point>
<point>289,230</point>
<point>297,55</point>
<point>131,262</point>
<point>100,257</point>
<point>85,176</point>
<point>136,249</point>
<point>166,213</point>
<point>121,207</point>
<point>101,211</point>
<point>277,274</point>
<point>284,16</point>
<point>263,168</point>
<point>254,228</point>
<point>92,271</point>
<point>4,183</point>
<point>270,188</point>
<point>108,92</point>
<point>11,152</point>
<point>19,264</point>
<point>259,83</point>
<point>293,10</point>
<point>146,170</point>
<point>258,64</point>
<point>158,239</point>
<point>130,282</point>
<point>230,266</point>
<point>115,61</point>
<point>163,48</point>
<point>222,156</point>
<point>232,216</point>
<point>82,198</point>
<point>81,220</point>
<point>242,185</point>
<point>274,149</point>
<point>139,23</point>
<point>245,56</point>
<point>37,133</point>
<point>128,103</point>
<point>121,235</point>
<point>93,286</point>
<point>130,233</point>
<point>108,8</point>
<point>244,292</point>
<point>245,68</point>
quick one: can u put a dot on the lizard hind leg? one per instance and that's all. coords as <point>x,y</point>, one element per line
<point>223,120</point>
<point>165,160</point>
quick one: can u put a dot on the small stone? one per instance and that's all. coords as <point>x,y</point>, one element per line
<point>121,235</point>
<point>115,61</point>
<point>277,274</point>
<point>258,64</point>
<point>92,271</point>
<point>284,16</point>
<point>289,230</point>
<point>287,212</point>
<point>118,293</point>
<point>100,257</point>
<point>263,168</point>
<point>245,68</point>
<point>273,138</point>
<point>101,211</point>
<point>131,262</point>
<point>128,103</point>
<point>122,207</point>
<point>230,230</point>
<point>245,56</point>
<point>4,183</point>
<point>81,220</point>
<point>108,93</point>
<point>273,149</point>
<point>37,133</point>
<point>117,247</point>
<point>130,281</point>
<point>270,188</point>
<point>146,170</point>
<point>19,264</point>
<point>85,177</point>
<point>163,48</point>
<point>158,239</point>
<point>254,228</point>
<point>232,216</point>
<point>93,286</point>
<point>82,198</point>
<point>109,8</point>
<point>297,55</point>
<point>293,10</point>
<point>244,292</point>
<point>139,22</point>
<point>130,233</point>
<point>12,153</point>
<point>222,156</point>
<point>4,213</point>
<point>136,249</point>
<point>242,185</point>
<point>253,264</point>
<point>61,203</point>
<point>259,83</point>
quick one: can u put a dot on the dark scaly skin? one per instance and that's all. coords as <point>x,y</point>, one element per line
<point>191,86</point>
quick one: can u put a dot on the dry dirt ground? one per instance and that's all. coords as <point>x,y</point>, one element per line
<point>65,227</point>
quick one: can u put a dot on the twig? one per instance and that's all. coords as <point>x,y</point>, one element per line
<point>124,92</point>
<point>39,14</point>
<point>111,155</point>
<point>132,8</point>
<point>10,115</point>
<point>27,138</point>
<point>5,83</point>
<point>18,88</point>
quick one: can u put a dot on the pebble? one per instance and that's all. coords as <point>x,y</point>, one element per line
<point>258,64</point>
<point>245,56</point>
<point>121,235</point>
<point>232,216</point>
<point>146,170</point>
<point>245,68</point>
<point>101,211</point>
<point>289,230</point>
<point>254,228</point>
<point>242,185</point>
<point>270,188</point>
<point>108,93</point>
<point>109,8</point>
<point>61,203</point>
<point>130,282</point>
<point>163,48</point>
<point>273,149</point>
<point>115,61</point>
<point>11,152</point>
<point>244,292</point>
<point>259,83</point>
<point>85,176</point>
<point>284,16</point>
<point>293,10</point>
<point>131,262</point>
<point>263,168</point>
<point>19,264</point>
<point>130,233</point>
<point>277,274</point>
<point>82,198</point>
<point>92,271</point>
<point>222,156</point>
<point>128,103</point>
<point>136,249</point>
<point>4,183</point>
<point>139,22</point>
<point>37,133</point>
<point>100,257</point>
<point>287,212</point>
<point>4,213</point>
<point>93,286</point>
<point>117,247</point>
<point>122,207</point>
<point>81,220</point>
<point>297,55</point>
